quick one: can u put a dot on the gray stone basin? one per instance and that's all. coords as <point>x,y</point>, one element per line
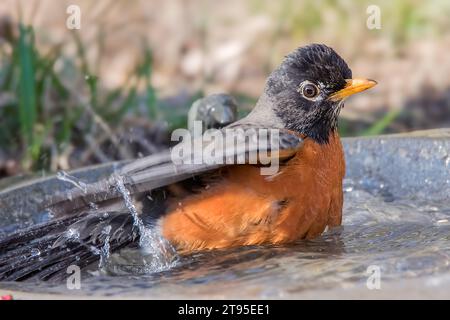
<point>396,222</point>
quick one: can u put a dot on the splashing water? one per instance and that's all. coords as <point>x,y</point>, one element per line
<point>64,176</point>
<point>104,251</point>
<point>73,235</point>
<point>157,253</point>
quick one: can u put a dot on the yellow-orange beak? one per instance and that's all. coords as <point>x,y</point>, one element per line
<point>353,86</point>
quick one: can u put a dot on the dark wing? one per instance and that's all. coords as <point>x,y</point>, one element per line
<point>241,145</point>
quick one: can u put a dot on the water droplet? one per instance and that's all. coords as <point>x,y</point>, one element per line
<point>35,252</point>
<point>93,206</point>
<point>64,176</point>
<point>447,161</point>
<point>72,234</point>
<point>348,189</point>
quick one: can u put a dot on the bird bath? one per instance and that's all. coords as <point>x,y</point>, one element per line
<point>394,242</point>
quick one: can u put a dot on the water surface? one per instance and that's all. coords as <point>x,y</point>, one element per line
<point>396,220</point>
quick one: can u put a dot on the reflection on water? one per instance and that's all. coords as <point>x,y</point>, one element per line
<point>407,238</point>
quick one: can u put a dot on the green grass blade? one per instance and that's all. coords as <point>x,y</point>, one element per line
<point>382,124</point>
<point>145,70</point>
<point>27,87</point>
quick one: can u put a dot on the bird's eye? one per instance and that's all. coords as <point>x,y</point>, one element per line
<point>309,90</point>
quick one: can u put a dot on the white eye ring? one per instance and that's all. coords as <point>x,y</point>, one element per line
<point>309,90</point>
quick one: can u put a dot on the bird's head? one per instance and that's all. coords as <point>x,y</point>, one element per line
<point>306,92</point>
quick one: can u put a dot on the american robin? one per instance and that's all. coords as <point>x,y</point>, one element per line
<point>197,206</point>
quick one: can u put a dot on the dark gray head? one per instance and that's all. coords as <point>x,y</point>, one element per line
<point>307,90</point>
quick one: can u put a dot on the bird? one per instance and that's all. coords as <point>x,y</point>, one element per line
<point>213,205</point>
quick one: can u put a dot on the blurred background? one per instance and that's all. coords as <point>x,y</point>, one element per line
<point>114,88</point>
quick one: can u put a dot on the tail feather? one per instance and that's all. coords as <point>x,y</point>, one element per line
<point>9,256</point>
<point>45,251</point>
<point>34,233</point>
<point>27,266</point>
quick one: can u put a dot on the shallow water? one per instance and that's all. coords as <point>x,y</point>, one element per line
<point>395,222</point>
<point>404,238</point>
